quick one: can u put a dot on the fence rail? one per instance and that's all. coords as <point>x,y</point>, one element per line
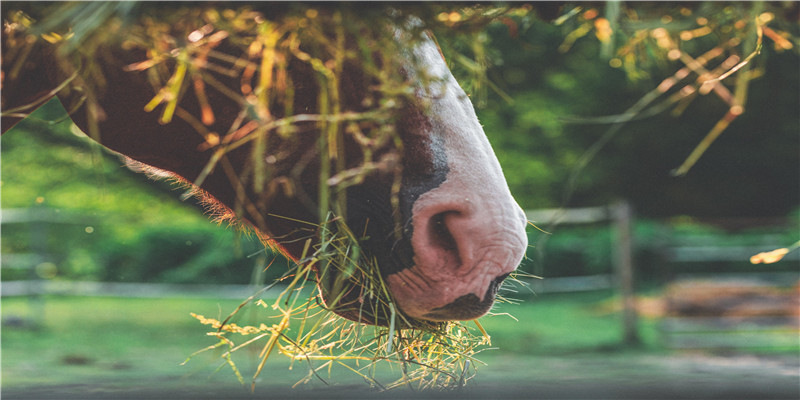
<point>577,216</point>
<point>720,253</point>
<point>573,284</point>
<point>132,290</point>
<point>618,216</point>
<point>41,214</point>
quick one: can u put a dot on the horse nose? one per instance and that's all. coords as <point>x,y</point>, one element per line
<point>453,239</point>
<point>463,245</point>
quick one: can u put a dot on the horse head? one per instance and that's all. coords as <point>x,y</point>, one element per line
<point>282,138</point>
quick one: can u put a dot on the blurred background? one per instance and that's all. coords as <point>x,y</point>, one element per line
<point>645,256</point>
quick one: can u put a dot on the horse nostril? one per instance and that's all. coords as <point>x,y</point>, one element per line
<point>442,238</point>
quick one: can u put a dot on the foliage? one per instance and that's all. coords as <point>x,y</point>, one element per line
<point>184,255</point>
<point>577,131</point>
<point>733,30</point>
<point>110,214</point>
<point>589,249</point>
<point>55,165</point>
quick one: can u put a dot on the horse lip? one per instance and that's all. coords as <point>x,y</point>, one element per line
<point>468,306</point>
<point>465,307</point>
<point>494,286</point>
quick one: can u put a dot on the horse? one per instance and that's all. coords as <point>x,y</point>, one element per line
<point>372,129</point>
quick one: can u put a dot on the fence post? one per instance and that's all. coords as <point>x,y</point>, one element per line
<point>623,216</point>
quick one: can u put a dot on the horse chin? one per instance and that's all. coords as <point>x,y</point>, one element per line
<point>454,299</point>
<point>350,304</point>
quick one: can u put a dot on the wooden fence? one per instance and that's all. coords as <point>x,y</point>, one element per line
<point>620,215</point>
<point>679,330</point>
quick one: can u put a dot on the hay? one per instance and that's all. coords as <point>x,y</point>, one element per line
<point>429,354</point>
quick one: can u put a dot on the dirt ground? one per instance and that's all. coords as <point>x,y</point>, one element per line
<point>598,376</point>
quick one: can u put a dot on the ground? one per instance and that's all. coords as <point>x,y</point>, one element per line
<point>562,347</point>
<point>596,376</point>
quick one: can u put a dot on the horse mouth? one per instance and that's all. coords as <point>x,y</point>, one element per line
<point>468,306</point>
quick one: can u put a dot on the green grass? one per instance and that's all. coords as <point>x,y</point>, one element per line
<point>120,344</point>
<point>563,323</point>
<point>94,338</point>
<point>57,169</point>
<point>98,338</point>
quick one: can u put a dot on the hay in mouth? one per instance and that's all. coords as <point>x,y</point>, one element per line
<point>308,329</point>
